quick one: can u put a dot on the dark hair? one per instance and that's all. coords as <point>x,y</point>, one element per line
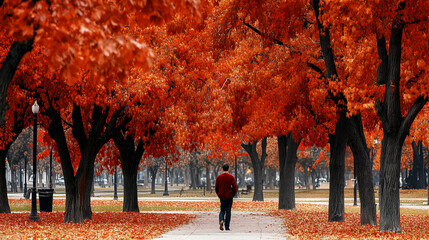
<point>225,167</point>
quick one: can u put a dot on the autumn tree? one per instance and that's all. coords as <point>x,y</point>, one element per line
<point>397,31</point>
<point>274,68</point>
<point>92,37</point>
<point>7,138</point>
<point>17,117</point>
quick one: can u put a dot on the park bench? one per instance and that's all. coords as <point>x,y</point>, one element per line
<point>247,190</point>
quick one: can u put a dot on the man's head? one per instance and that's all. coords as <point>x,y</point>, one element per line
<point>225,167</point>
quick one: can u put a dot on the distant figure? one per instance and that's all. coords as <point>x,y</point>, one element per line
<point>226,188</point>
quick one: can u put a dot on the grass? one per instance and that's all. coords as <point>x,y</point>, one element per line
<point>409,197</point>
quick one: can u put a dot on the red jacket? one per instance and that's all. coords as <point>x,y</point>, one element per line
<point>226,187</point>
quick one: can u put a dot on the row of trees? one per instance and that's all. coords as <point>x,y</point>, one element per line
<point>124,79</point>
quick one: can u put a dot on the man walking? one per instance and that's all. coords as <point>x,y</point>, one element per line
<point>226,188</point>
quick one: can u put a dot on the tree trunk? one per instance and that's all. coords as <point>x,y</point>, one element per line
<point>418,177</point>
<point>20,176</point>
<point>4,202</point>
<point>336,170</point>
<point>306,178</point>
<point>130,203</point>
<point>313,178</point>
<point>270,176</point>
<point>258,194</point>
<point>86,186</point>
<point>389,185</point>
<point>193,172</point>
<point>395,126</point>
<point>357,143</point>
<point>242,177</point>
<point>198,175</point>
<point>130,156</point>
<point>18,126</point>
<point>171,172</point>
<point>13,185</point>
<point>258,166</point>
<point>8,69</point>
<point>79,185</point>
<point>153,170</point>
<point>208,180</point>
<point>187,176</point>
<point>146,177</point>
<point>287,162</point>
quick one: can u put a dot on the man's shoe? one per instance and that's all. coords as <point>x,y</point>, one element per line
<point>227,229</point>
<point>221,225</point>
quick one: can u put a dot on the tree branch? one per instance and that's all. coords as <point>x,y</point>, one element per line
<point>412,114</point>
<point>276,41</point>
<point>317,69</point>
<point>382,55</point>
<point>78,129</point>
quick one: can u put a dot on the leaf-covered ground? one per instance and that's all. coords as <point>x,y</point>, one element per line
<point>153,205</point>
<point>105,225</point>
<point>309,221</point>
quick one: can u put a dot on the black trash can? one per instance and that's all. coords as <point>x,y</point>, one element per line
<point>45,199</point>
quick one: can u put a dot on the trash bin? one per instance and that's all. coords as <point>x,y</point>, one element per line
<point>45,199</point>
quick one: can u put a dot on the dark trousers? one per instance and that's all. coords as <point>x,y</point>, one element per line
<point>225,211</point>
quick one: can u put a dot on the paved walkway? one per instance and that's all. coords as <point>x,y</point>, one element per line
<point>244,225</point>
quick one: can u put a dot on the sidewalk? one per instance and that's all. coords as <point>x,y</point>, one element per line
<point>244,225</point>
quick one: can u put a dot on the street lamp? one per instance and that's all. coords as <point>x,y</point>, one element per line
<point>166,175</point>
<point>355,192</point>
<point>34,216</point>
<point>50,169</point>
<point>25,178</point>
<point>235,169</point>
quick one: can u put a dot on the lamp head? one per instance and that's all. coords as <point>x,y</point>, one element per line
<point>35,108</point>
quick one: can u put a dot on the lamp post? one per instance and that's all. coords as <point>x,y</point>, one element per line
<point>166,176</point>
<point>355,184</point>
<point>25,178</point>
<point>115,187</point>
<point>235,169</point>
<point>33,215</point>
<point>355,192</point>
<point>50,169</point>
<point>20,176</point>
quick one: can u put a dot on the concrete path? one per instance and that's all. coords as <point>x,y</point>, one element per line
<point>244,225</point>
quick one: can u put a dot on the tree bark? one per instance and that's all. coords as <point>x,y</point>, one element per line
<point>4,202</point>
<point>395,128</point>
<point>336,170</point>
<point>389,185</point>
<point>357,143</point>
<point>287,162</point>
<point>418,177</point>
<point>146,177</point>
<point>130,203</point>
<point>258,165</point>
<point>8,69</point>
<point>269,177</point>
<point>79,185</point>
<point>18,126</point>
<point>306,178</point>
<point>187,176</point>
<point>13,185</point>
<point>193,171</point>
<point>130,156</point>
<point>313,178</point>
<point>153,170</point>
<point>208,180</point>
